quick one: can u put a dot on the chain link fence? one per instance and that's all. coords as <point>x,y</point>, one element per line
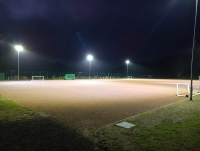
<point>50,75</point>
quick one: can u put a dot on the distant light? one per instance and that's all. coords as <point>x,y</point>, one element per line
<point>19,48</point>
<point>127,61</point>
<point>89,57</point>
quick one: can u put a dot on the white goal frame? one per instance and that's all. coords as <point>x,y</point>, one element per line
<point>188,88</point>
<point>38,76</point>
<point>148,76</point>
<point>129,77</point>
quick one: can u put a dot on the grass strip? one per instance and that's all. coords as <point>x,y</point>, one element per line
<point>173,127</point>
<point>24,129</point>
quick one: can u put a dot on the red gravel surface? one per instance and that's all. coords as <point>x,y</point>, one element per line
<point>90,104</point>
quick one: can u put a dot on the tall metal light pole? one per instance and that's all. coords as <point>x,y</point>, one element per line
<point>89,57</point>
<point>18,48</point>
<point>191,86</point>
<point>127,62</point>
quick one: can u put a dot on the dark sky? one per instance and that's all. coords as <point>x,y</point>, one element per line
<point>111,30</point>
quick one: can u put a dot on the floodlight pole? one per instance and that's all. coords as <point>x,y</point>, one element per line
<point>89,69</point>
<point>18,48</point>
<point>127,70</point>
<point>18,65</point>
<point>191,86</point>
<point>89,57</point>
<point>127,62</point>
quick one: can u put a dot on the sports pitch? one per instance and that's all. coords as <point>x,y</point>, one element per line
<point>90,104</point>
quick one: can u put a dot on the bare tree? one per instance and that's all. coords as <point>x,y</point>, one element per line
<point>177,66</point>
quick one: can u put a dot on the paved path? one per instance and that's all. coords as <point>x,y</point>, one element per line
<point>90,104</point>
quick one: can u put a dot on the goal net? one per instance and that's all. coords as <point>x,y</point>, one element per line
<point>148,76</point>
<point>37,78</point>
<point>183,89</point>
<point>129,77</point>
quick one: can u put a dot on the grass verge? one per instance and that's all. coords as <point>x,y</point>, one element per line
<point>24,129</point>
<point>173,127</point>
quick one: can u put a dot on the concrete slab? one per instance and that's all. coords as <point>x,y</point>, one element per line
<point>125,125</point>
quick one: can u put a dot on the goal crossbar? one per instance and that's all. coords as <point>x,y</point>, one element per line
<point>187,87</point>
<point>148,76</point>
<point>37,77</point>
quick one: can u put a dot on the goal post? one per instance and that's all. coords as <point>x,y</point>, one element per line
<point>183,89</point>
<point>129,77</point>
<point>148,76</point>
<point>199,82</point>
<point>37,78</point>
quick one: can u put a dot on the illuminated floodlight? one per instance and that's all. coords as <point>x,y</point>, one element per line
<point>127,61</point>
<point>89,57</point>
<point>19,48</point>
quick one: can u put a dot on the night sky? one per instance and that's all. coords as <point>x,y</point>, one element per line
<point>111,30</point>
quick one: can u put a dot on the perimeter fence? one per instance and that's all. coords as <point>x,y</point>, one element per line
<point>50,75</point>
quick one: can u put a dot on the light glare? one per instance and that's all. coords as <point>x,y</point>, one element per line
<point>18,47</point>
<point>89,57</point>
<point>127,61</point>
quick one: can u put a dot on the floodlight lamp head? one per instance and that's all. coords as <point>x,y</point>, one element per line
<point>89,57</point>
<point>19,48</point>
<point>127,61</point>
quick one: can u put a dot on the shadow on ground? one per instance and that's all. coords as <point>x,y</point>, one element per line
<point>41,134</point>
